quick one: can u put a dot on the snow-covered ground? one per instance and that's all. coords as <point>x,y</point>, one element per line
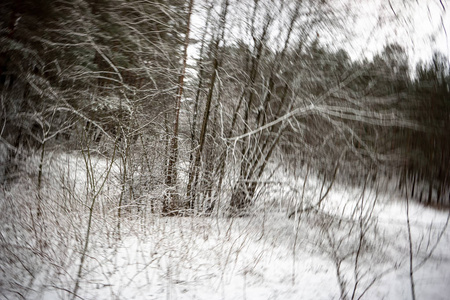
<point>356,246</point>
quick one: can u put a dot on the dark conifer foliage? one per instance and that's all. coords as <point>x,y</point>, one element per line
<point>97,64</point>
<point>114,70</point>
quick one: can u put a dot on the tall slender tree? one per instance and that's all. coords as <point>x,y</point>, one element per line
<point>170,201</point>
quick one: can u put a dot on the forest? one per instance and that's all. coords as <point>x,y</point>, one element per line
<point>169,149</point>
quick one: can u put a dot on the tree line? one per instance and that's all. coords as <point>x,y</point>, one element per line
<point>197,135</point>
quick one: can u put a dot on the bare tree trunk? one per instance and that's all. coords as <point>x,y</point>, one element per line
<point>430,191</point>
<point>259,148</point>
<point>200,83</point>
<point>171,176</point>
<point>193,176</point>
<point>411,254</point>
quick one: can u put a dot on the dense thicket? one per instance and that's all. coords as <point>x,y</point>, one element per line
<point>106,66</point>
<point>106,75</point>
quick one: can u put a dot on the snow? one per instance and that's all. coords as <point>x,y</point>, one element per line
<point>265,255</point>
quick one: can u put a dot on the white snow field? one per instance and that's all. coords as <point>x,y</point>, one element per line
<point>355,246</point>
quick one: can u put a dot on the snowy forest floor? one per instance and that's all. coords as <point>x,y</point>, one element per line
<point>356,246</point>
